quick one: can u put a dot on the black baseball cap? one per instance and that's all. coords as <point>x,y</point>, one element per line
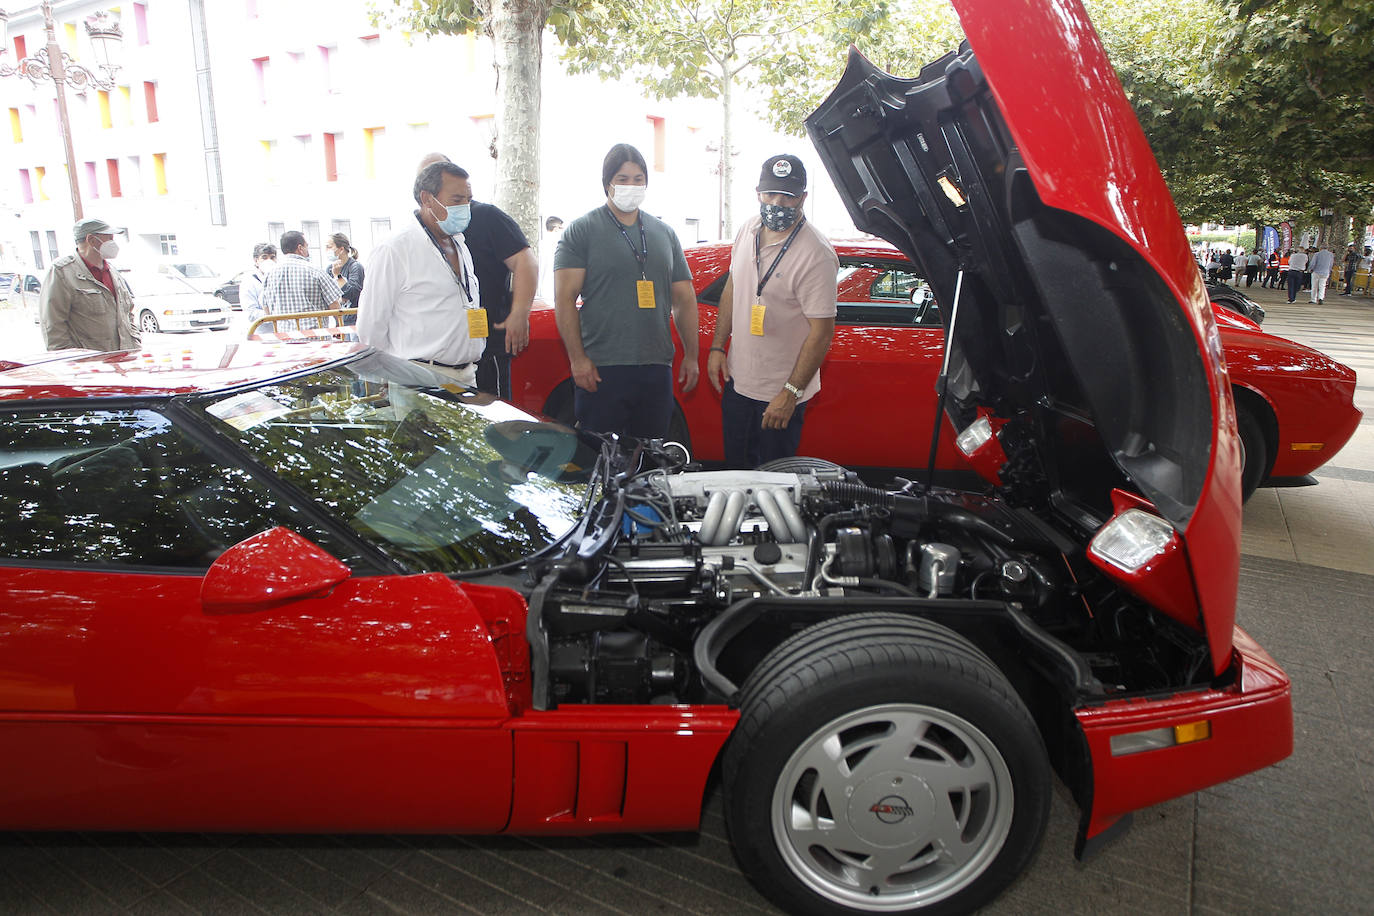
<point>783,174</point>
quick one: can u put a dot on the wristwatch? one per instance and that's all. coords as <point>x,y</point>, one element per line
<point>792,390</point>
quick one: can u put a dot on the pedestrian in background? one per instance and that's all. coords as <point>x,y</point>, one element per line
<point>1320,264</point>
<point>250,288</point>
<point>1297,266</point>
<point>1252,267</point>
<point>297,285</point>
<point>1307,272</point>
<point>777,312</point>
<point>553,233</point>
<point>630,271</point>
<point>1228,263</point>
<point>1271,270</point>
<point>345,270</point>
<point>422,300</point>
<point>84,303</point>
<point>1348,269</point>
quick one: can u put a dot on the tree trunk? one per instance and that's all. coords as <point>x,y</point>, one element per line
<point>727,153</point>
<point>517,33</point>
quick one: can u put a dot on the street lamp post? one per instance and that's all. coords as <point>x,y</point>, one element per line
<point>53,64</point>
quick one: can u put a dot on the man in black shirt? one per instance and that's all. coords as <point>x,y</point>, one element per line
<point>507,274</point>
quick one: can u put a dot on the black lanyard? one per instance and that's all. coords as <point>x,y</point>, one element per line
<point>642,252</point>
<point>460,279</point>
<point>763,281</point>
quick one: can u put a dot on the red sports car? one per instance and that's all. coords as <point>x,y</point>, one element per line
<point>1294,405</point>
<point>311,587</point>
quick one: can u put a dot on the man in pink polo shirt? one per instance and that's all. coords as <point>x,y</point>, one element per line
<point>777,312</point>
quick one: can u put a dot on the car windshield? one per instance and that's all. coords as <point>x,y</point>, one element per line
<point>438,477</point>
<point>195,271</point>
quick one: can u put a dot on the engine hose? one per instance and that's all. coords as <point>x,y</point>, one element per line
<point>859,493</point>
<point>816,542</point>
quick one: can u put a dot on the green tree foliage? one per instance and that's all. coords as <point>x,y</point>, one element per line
<point>711,48</point>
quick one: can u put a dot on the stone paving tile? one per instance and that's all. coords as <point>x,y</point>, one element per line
<point>240,871</point>
<point>320,884</point>
<point>162,903</point>
<point>470,858</point>
<point>58,886</point>
<point>15,897</point>
<point>199,890</point>
<point>472,890</point>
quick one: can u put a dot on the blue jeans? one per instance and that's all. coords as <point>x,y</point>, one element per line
<point>747,443</point>
<point>628,401</point>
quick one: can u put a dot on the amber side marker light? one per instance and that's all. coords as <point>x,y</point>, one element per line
<point>1158,738</point>
<point>1308,446</point>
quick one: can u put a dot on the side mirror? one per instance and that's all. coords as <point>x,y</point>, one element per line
<point>268,570</point>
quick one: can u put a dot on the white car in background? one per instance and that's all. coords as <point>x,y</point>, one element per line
<point>169,302</point>
<point>202,276</point>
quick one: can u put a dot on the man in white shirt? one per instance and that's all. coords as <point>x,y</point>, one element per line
<point>1321,263</point>
<point>1297,265</point>
<point>421,301</point>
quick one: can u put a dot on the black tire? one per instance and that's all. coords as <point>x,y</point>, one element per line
<point>798,464</point>
<point>147,322</point>
<point>1255,466</point>
<point>919,706</point>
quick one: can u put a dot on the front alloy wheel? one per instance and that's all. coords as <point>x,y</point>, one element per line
<point>147,323</point>
<point>883,764</point>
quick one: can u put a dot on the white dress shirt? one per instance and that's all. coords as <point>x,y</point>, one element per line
<point>413,305</point>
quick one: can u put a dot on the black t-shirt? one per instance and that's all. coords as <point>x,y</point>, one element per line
<point>491,237</point>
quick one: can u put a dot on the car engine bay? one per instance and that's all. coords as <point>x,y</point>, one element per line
<point>679,582</point>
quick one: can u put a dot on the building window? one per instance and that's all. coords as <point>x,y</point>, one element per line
<point>52,244</point>
<point>168,244</point>
<point>342,225</point>
<point>92,183</point>
<point>39,174</point>
<point>269,150</point>
<point>371,138</point>
<point>16,127</point>
<point>331,157</point>
<point>135,175</point>
<point>26,186</point>
<point>160,173</point>
<point>275,231</point>
<point>112,172</point>
<point>660,142</point>
<point>311,230</point>
<point>150,99</point>
<point>327,68</point>
<point>261,68</point>
<point>141,22</point>
<point>69,31</point>
<point>126,105</point>
<point>251,8</point>
<point>106,122</point>
<point>37,244</point>
<point>381,228</point>
<point>21,48</point>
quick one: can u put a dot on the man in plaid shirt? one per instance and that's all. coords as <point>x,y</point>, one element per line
<point>297,285</point>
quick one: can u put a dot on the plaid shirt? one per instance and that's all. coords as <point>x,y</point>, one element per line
<point>298,286</point>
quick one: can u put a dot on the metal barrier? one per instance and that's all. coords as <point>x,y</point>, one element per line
<point>338,331</point>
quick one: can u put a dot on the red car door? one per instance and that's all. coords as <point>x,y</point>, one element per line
<point>877,396</point>
<point>374,704</point>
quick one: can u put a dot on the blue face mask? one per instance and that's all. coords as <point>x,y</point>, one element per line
<point>457,220</point>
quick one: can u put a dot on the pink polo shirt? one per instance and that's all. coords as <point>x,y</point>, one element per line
<point>803,286</point>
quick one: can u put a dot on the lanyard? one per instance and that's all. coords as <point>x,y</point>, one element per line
<point>758,294</point>
<point>642,252</point>
<point>461,280</point>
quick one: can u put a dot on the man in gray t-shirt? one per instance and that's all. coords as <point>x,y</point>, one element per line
<point>629,269</point>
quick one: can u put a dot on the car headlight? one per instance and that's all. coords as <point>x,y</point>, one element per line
<point>1132,539</point>
<point>974,436</point>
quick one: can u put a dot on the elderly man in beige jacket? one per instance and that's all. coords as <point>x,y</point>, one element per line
<point>84,302</point>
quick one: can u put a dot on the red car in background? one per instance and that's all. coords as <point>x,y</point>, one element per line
<point>1295,405</point>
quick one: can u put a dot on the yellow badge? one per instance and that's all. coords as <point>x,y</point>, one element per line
<point>756,319</point>
<point>645,290</point>
<point>477,323</point>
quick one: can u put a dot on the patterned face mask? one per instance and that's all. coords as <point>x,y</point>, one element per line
<point>776,217</point>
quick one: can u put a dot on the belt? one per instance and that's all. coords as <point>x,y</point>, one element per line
<point>435,362</point>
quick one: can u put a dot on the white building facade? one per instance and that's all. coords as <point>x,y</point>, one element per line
<point>232,121</point>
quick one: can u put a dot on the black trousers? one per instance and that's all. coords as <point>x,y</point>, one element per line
<point>747,443</point>
<point>629,401</point>
<point>493,369</point>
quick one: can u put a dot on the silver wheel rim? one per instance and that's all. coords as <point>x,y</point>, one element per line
<point>892,807</point>
<point>149,323</point>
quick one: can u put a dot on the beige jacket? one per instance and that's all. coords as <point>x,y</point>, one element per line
<point>78,311</point>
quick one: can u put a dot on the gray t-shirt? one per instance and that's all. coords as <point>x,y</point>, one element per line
<point>615,330</point>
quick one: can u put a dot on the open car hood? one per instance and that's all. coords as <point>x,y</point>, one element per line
<point>1015,174</point>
